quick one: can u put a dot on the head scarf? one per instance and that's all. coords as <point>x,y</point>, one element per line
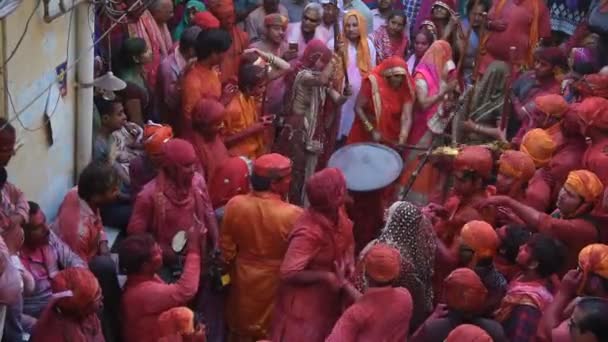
<point>206,21</point>
<point>449,5</point>
<point>314,50</point>
<point>207,111</point>
<point>481,237</point>
<point>474,158</point>
<point>185,22</point>
<point>539,146</point>
<point>326,189</point>
<point>412,235</point>
<point>364,61</point>
<point>468,333</point>
<point>593,85</point>
<point>593,259</point>
<point>155,136</point>
<point>593,111</point>
<point>176,321</point>
<point>582,55</point>
<point>516,164</point>
<point>272,165</point>
<point>435,59</point>
<point>178,152</point>
<point>276,19</point>
<point>231,179</point>
<point>586,184</point>
<point>551,105</point>
<point>463,291</point>
<point>84,290</point>
<point>429,26</point>
<point>382,263</point>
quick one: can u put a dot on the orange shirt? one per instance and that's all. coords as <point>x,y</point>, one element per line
<point>253,241</point>
<point>241,113</point>
<point>199,82</point>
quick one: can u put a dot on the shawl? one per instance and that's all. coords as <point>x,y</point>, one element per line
<point>387,46</point>
<point>364,61</point>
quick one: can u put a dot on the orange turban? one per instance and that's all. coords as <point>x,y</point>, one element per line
<point>593,259</point>
<point>585,184</point>
<point>516,164</point>
<point>382,263</point>
<point>475,158</point>
<point>593,111</point>
<point>326,189</point>
<point>176,321</point>
<point>539,145</point>
<point>272,165</point>
<point>464,291</point>
<point>205,20</point>
<point>481,237</point>
<point>155,136</point>
<point>552,105</point>
<point>468,333</point>
<point>84,287</point>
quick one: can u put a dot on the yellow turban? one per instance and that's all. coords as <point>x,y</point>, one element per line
<point>481,237</point>
<point>552,105</point>
<point>593,259</point>
<point>539,145</point>
<point>516,164</point>
<point>585,184</point>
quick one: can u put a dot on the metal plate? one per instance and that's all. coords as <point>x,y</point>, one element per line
<point>179,241</point>
<point>367,166</point>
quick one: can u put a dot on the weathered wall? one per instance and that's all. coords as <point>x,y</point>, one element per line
<point>43,172</point>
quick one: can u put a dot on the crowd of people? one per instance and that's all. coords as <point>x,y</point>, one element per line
<point>214,164</point>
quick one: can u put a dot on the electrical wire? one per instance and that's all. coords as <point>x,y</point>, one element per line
<point>27,26</point>
<point>73,64</point>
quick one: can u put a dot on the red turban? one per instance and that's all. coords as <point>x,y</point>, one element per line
<point>593,111</point>
<point>468,333</point>
<point>326,189</point>
<point>276,19</point>
<point>155,136</point>
<point>176,321</point>
<point>481,237</point>
<point>464,291</point>
<point>231,178</point>
<point>593,85</point>
<point>382,263</point>
<point>272,165</point>
<point>84,287</point>
<point>178,152</point>
<point>474,158</point>
<point>552,105</point>
<point>586,184</point>
<point>208,112</point>
<point>539,146</point>
<point>516,164</point>
<point>206,20</point>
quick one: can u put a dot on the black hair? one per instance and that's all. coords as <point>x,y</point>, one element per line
<point>485,3</point>
<point>130,48</point>
<point>396,13</point>
<point>516,236</point>
<point>594,317</point>
<point>104,106</point>
<point>34,207</point>
<point>549,253</point>
<point>427,34</point>
<point>96,179</point>
<point>189,38</point>
<point>212,41</point>
<point>3,177</point>
<point>249,76</point>
<point>260,183</point>
<point>6,127</point>
<point>134,251</point>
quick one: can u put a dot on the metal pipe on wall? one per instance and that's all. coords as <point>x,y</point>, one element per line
<point>84,99</point>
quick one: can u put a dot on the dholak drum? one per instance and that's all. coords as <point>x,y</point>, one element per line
<point>367,166</point>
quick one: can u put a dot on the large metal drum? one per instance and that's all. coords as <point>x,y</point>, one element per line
<point>367,166</point>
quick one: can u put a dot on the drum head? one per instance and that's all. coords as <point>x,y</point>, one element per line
<point>367,166</point>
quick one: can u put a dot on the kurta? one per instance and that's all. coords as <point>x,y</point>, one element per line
<point>307,313</point>
<point>55,327</point>
<point>253,241</point>
<point>144,299</point>
<point>596,159</point>
<point>156,214</point>
<point>381,314</point>
<point>198,81</point>
<point>241,113</point>
<point>79,226</point>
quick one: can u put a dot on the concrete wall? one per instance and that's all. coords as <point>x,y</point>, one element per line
<point>43,172</point>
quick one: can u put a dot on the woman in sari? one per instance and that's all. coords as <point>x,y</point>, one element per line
<point>482,124</point>
<point>422,41</point>
<point>434,79</point>
<point>359,58</point>
<point>412,235</point>
<point>192,7</point>
<point>305,133</point>
<point>445,19</point>
<point>391,39</point>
